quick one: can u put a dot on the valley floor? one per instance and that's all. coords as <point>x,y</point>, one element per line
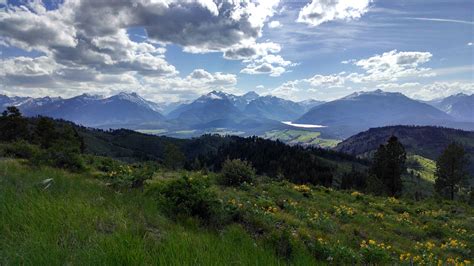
<point>78,219</point>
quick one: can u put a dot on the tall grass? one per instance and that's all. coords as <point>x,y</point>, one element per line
<point>78,220</point>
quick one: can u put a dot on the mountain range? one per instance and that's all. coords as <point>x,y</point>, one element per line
<point>460,106</point>
<point>251,114</point>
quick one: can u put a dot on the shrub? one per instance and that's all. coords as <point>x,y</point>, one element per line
<point>236,172</point>
<point>190,196</point>
<point>131,176</point>
<point>20,149</point>
<point>60,157</point>
<point>375,253</point>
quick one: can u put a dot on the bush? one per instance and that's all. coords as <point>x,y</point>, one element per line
<point>19,149</point>
<point>236,172</point>
<point>60,157</point>
<point>374,253</point>
<point>131,176</point>
<point>189,196</point>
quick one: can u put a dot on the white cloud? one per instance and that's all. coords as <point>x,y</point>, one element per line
<point>469,44</point>
<point>431,91</point>
<point>30,27</point>
<point>199,81</point>
<point>251,50</point>
<point>329,81</point>
<point>87,40</point>
<point>263,68</point>
<point>274,24</point>
<point>260,58</point>
<point>391,66</point>
<point>379,71</point>
<point>321,11</point>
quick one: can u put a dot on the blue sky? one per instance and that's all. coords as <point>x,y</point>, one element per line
<point>176,50</point>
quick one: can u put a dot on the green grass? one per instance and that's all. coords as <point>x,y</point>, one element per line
<point>425,169</point>
<point>80,220</point>
<point>300,137</point>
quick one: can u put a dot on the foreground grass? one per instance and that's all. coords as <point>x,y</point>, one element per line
<point>80,221</point>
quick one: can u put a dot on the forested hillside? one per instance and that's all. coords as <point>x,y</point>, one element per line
<point>425,141</point>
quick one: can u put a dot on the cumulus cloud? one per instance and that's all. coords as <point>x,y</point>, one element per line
<point>31,26</point>
<point>86,47</point>
<point>430,91</point>
<point>87,40</point>
<point>391,66</point>
<point>197,25</point>
<point>263,68</point>
<point>330,81</point>
<point>321,11</point>
<point>199,81</point>
<point>260,58</point>
<point>274,24</point>
<point>251,50</point>
<point>380,70</point>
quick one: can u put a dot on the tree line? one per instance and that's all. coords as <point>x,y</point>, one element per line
<point>384,176</point>
<point>45,141</point>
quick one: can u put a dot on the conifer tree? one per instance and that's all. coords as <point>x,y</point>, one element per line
<point>389,165</point>
<point>451,170</point>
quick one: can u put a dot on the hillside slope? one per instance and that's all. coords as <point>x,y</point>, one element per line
<point>80,220</point>
<point>426,141</point>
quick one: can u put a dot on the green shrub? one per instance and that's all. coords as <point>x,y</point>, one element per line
<point>19,149</point>
<point>130,176</point>
<point>59,157</point>
<point>374,253</point>
<point>236,172</point>
<point>191,196</point>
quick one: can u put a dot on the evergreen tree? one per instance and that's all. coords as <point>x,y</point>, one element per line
<point>44,133</point>
<point>451,170</point>
<point>13,126</point>
<point>174,158</point>
<point>389,165</point>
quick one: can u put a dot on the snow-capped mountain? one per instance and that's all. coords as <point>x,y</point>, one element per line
<point>459,106</point>
<point>119,110</point>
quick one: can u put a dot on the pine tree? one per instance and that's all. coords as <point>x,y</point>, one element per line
<point>13,126</point>
<point>451,170</point>
<point>174,157</point>
<point>44,133</point>
<point>389,165</point>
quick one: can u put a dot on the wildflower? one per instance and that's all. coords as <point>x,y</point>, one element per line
<point>393,200</point>
<point>302,188</point>
<point>344,211</point>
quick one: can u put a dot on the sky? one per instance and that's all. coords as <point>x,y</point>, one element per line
<point>175,50</point>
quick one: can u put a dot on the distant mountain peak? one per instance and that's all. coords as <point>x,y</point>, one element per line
<point>214,95</point>
<point>377,92</point>
<point>251,94</point>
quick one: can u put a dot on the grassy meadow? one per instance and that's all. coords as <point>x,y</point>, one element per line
<point>80,219</point>
<point>301,137</point>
